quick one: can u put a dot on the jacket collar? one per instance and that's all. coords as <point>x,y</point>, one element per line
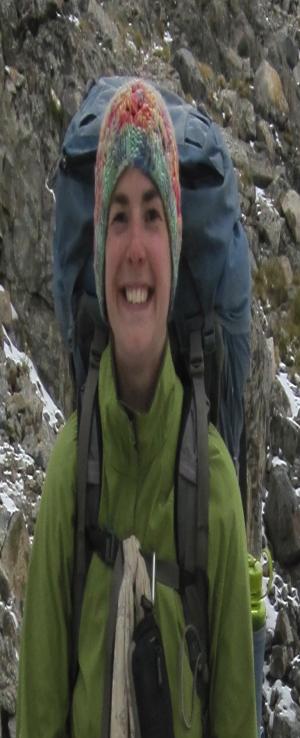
<point>133,436</point>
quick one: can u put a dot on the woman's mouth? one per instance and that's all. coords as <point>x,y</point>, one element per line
<point>137,295</point>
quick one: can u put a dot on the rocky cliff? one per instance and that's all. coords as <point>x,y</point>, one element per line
<point>241,60</point>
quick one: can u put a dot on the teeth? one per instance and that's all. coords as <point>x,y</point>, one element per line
<point>136,295</point>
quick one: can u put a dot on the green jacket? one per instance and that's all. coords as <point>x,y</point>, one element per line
<point>137,497</point>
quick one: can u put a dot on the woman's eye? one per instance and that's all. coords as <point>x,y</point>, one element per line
<point>152,215</point>
<point>119,217</point>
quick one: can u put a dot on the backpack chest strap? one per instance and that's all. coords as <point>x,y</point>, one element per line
<point>106,545</point>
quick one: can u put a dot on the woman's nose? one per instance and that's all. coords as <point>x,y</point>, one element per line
<point>136,243</point>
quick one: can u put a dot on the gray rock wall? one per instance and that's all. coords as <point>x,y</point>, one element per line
<point>241,59</point>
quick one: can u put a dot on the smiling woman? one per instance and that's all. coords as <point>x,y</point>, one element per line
<point>142,664</point>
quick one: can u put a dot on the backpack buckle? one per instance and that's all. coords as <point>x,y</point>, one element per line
<point>196,354</point>
<point>111,548</point>
<point>197,367</point>
<point>104,543</point>
<point>209,339</point>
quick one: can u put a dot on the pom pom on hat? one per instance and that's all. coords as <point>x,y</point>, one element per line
<point>137,131</point>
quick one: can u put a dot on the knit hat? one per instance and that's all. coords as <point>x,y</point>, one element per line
<point>137,131</point>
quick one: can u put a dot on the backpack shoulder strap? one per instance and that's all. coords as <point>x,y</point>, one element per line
<point>192,504</point>
<point>88,490</point>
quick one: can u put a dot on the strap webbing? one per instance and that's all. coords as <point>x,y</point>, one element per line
<point>200,401</point>
<point>195,597</point>
<point>103,542</point>
<point>86,422</point>
<point>110,642</point>
<point>242,470</point>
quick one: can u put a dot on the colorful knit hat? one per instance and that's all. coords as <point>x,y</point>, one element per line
<point>137,131</point>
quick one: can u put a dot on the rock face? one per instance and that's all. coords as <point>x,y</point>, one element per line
<point>281,694</point>
<point>282,517</point>
<point>241,60</point>
<point>15,555</point>
<point>28,424</point>
<point>257,413</point>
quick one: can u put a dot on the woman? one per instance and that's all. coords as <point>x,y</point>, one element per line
<point>137,247</point>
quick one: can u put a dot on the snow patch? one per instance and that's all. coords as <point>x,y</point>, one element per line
<point>6,500</point>
<point>285,705</point>
<point>14,313</point>
<point>276,461</point>
<point>49,189</point>
<point>131,45</point>
<point>261,197</point>
<point>271,615</point>
<point>74,19</point>
<point>50,412</point>
<point>167,37</point>
<point>290,391</point>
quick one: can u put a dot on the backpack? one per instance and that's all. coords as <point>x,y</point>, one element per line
<point>209,335</point>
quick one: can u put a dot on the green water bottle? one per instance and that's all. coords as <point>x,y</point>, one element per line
<point>258,607</point>
<point>258,612</point>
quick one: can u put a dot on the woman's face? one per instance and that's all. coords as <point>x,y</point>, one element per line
<point>137,270</point>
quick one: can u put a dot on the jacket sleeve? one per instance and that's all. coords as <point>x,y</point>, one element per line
<point>232,686</point>
<point>42,704</point>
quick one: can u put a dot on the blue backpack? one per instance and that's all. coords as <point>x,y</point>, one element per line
<point>209,334</point>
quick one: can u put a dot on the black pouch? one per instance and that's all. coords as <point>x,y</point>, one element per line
<point>150,679</point>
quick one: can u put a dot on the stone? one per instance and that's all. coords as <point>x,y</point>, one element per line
<point>271,349</point>
<point>279,662</point>
<point>253,240</point>
<point>228,99</point>
<point>15,555</point>
<point>283,632</point>
<point>275,694</point>
<point>6,316</point>
<point>270,100</point>
<point>291,209</point>
<point>296,678</point>
<point>4,586</point>
<point>295,695</point>
<point>14,80</point>
<point>284,434</point>
<point>287,272</point>
<point>107,30</point>
<point>192,80</point>
<point>286,720</point>
<point>9,628</point>
<point>282,517</point>
<point>4,523</point>
<point>16,404</point>
<point>291,51</point>
<point>244,119</point>
<point>261,170</point>
<point>9,624</point>
<point>269,224</point>
<point>265,135</point>
<point>235,66</point>
<point>296,74</point>
<point>237,151</point>
<point>8,674</point>
<point>244,37</point>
